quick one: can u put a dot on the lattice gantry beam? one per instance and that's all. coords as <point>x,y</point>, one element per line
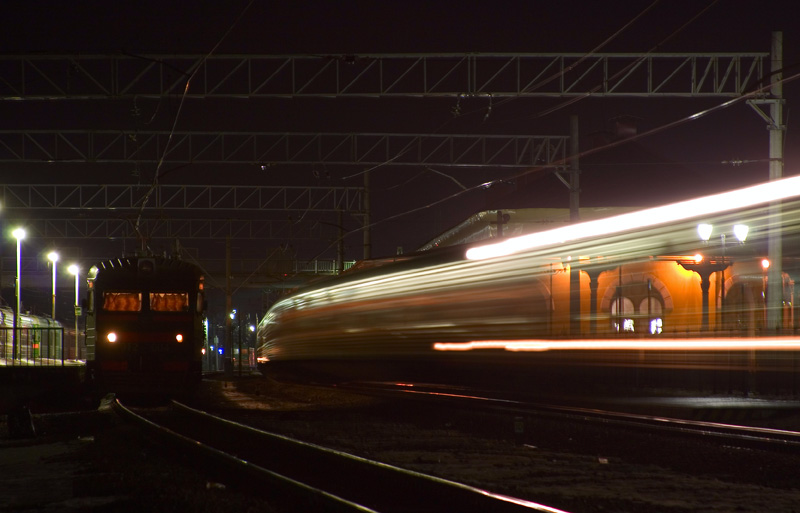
<point>181,197</point>
<point>171,229</point>
<point>254,148</point>
<point>381,75</point>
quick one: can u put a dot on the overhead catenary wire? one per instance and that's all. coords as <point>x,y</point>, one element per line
<point>191,76</point>
<point>685,119</point>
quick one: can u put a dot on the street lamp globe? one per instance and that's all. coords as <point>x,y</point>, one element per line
<point>740,231</point>
<point>704,231</point>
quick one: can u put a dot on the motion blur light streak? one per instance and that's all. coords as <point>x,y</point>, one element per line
<point>695,344</point>
<point>707,205</point>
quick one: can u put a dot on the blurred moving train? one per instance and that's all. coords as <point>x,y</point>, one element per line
<point>145,325</point>
<point>39,339</point>
<point>698,293</point>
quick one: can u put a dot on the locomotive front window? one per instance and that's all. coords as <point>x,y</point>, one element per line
<point>169,301</point>
<point>122,301</point>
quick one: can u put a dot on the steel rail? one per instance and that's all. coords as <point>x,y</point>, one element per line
<point>391,488</point>
<point>301,492</point>
<point>322,476</point>
<point>768,438</point>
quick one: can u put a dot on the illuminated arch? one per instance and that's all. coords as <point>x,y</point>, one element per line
<point>657,286</point>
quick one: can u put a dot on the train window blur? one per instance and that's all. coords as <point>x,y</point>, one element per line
<point>122,301</point>
<point>627,314</point>
<point>169,301</point>
<point>655,326</point>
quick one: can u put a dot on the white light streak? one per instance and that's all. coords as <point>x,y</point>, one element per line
<point>704,206</point>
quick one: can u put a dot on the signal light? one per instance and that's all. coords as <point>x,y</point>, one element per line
<point>220,350</point>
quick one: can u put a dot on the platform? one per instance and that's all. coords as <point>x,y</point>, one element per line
<point>26,382</point>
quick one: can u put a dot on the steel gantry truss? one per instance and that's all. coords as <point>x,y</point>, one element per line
<point>171,229</point>
<point>109,209</point>
<point>381,75</point>
<point>122,197</point>
<point>261,148</point>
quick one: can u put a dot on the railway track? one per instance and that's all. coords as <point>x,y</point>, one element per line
<point>306,476</point>
<point>731,434</point>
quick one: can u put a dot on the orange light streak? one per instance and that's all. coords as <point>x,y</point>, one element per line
<point>694,344</point>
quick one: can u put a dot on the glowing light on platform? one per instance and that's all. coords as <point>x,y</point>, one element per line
<point>684,210</point>
<point>694,344</point>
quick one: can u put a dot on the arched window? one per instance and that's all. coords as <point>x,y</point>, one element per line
<point>650,308</point>
<point>622,318</point>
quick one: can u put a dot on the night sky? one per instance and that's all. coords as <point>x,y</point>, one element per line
<point>683,161</point>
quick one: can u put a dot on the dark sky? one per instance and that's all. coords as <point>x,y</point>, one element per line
<point>332,27</point>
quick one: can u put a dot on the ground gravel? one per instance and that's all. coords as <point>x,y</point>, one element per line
<point>105,465</point>
<point>564,465</point>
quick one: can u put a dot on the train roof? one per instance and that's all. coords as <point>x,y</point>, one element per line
<point>162,268</point>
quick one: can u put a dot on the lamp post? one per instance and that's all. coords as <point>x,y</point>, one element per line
<point>53,257</point>
<point>705,268</point>
<point>75,271</point>
<point>19,234</point>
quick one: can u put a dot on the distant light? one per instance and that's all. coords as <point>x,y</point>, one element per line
<point>698,258</point>
<point>53,256</point>
<point>73,269</point>
<point>111,337</point>
<point>740,231</point>
<point>203,350</point>
<point>252,328</point>
<point>19,233</point>
<point>179,338</point>
<point>704,231</point>
<point>765,263</point>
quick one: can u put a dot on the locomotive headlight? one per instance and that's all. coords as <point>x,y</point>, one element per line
<point>179,337</point>
<point>111,337</point>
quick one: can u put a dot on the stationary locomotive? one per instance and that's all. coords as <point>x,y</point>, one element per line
<point>145,325</point>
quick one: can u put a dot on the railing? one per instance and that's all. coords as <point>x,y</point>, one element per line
<point>32,346</point>
<point>320,266</point>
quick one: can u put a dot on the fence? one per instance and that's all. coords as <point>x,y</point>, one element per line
<point>41,346</point>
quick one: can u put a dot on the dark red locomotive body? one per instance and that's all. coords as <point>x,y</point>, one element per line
<point>145,325</point>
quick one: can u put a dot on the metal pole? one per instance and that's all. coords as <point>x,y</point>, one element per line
<point>574,217</point>
<point>367,219</point>
<point>776,132</point>
<point>77,312</point>
<point>53,315</point>
<point>228,347</point>
<point>17,323</point>
<point>51,333</point>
